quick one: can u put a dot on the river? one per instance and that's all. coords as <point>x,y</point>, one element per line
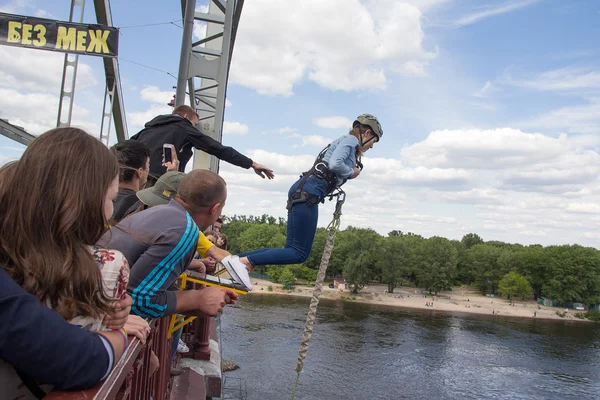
<point>361,351</point>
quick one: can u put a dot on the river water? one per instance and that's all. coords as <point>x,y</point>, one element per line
<point>361,351</point>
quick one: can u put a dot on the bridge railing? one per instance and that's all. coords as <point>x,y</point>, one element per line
<point>130,379</point>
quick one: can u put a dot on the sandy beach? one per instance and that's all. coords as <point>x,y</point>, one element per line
<point>460,300</point>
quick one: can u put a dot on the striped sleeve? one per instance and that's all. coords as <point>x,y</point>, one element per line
<point>158,268</point>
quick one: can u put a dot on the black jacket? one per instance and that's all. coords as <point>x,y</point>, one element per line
<point>180,132</point>
<point>41,344</point>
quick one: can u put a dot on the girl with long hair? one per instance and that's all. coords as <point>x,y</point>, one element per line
<point>54,206</point>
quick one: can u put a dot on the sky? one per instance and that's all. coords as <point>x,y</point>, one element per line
<point>490,109</point>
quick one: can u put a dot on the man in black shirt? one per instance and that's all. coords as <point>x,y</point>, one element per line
<point>179,129</point>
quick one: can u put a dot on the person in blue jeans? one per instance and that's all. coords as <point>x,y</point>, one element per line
<point>337,163</point>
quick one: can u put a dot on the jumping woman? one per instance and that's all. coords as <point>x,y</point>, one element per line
<point>337,163</point>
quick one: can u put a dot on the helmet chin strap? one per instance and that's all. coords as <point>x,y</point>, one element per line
<point>362,142</point>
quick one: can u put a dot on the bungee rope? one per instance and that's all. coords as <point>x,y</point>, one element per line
<point>332,228</point>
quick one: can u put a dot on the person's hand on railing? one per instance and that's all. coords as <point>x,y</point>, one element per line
<point>153,364</point>
<point>198,266</point>
<point>138,327</point>
<point>212,300</point>
<point>122,309</point>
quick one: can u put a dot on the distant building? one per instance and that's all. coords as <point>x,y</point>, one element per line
<point>339,283</point>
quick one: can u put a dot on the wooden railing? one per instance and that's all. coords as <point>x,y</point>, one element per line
<point>130,379</point>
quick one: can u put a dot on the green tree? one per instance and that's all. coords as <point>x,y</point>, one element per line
<point>438,264</point>
<point>514,285</point>
<point>574,274</point>
<point>471,239</point>
<point>356,254</point>
<point>393,259</point>
<point>533,263</point>
<point>287,278</point>
<point>314,258</point>
<point>481,261</point>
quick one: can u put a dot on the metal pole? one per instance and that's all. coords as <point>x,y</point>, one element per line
<point>186,46</point>
<point>73,64</point>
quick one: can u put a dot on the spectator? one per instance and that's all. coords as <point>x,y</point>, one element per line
<point>161,193</point>
<point>161,242</point>
<point>217,225</point>
<point>31,347</point>
<point>179,129</point>
<point>134,165</point>
<point>222,241</point>
<point>212,236</point>
<point>50,225</point>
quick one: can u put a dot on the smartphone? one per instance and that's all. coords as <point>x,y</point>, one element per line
<point>167,152</point>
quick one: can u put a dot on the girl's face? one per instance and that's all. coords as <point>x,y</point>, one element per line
<point>109,197</point>
<point>220,242</point>
<point>371,142</point>
<point>212,239</point>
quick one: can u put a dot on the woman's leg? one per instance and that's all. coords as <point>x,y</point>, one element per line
<point>301,228</point>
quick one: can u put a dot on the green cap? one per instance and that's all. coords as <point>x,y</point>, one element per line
<point>163,191</point>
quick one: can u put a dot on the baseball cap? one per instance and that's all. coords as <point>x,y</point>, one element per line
<point>163,190</point>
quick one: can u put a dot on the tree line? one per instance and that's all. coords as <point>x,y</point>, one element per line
<point>566,274</point>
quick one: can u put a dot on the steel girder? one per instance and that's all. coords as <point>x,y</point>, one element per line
<point>208,59</point>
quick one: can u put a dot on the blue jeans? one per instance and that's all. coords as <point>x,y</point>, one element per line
<point>301,229</point>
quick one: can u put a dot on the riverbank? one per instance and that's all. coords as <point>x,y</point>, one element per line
<point>461,300</point>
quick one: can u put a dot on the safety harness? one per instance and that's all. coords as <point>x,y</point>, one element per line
<point>320,169</point>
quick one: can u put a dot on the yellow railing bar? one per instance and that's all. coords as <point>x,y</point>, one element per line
<point>178,322</point>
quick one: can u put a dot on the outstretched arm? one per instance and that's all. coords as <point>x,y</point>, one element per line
<point>205,143</point>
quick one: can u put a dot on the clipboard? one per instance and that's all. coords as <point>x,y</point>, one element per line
<point>217,281</point>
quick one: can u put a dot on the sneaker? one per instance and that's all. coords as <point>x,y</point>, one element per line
<point>237,270</point>
<point>182,348</point>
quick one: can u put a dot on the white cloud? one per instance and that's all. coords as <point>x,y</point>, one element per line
<point>46,111</point>
<point>488,12</point>
<point>234,128</point>
<point>413,68</point>
<point>568,78</point>
<point>200,26</point>
<point>228,103</point>
<point>21,69</point>
<point>485,149</point>
<point>586,208</point>
<point>137,119</point>
<point>336,122</point>
<point>510,158</point>
<point>485,91</point>
<point>285,129</point>
<point>152,94</point>
<point>315,140</point>
<point>573,119</point>
<point>348,44</point>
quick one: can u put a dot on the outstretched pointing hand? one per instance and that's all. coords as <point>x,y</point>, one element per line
<point>262,171</point>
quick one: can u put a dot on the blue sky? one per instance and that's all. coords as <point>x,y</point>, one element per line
<point>490,109</point>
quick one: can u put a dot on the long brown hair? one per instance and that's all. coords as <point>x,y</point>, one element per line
<point>51,210</point>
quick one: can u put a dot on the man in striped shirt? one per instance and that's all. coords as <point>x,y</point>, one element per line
<point>160,243</point>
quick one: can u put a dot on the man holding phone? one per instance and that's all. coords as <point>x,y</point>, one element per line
<point>179,129</point>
